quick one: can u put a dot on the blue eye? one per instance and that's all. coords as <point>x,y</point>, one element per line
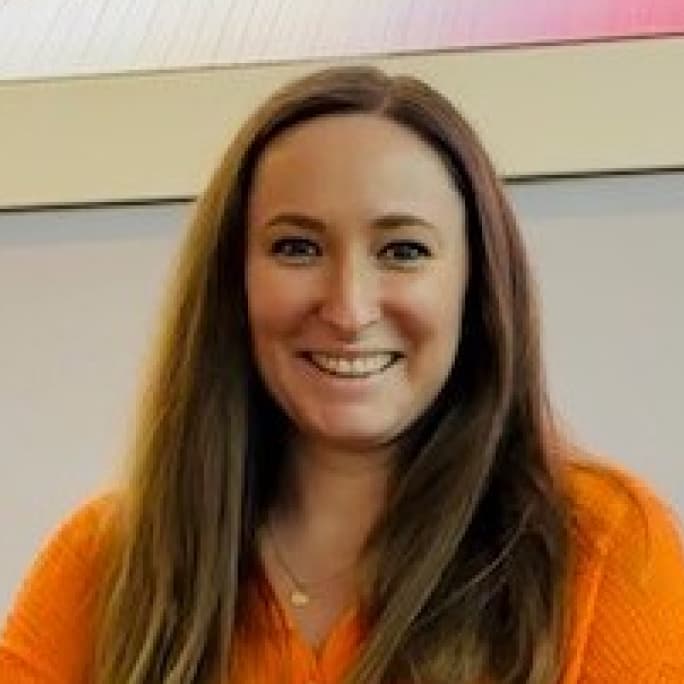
<point>295,248</point>
<point>405,250</point>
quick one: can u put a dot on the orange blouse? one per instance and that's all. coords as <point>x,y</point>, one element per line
<point>627,612</point>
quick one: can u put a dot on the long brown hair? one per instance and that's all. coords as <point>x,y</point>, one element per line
<point>465,571</point>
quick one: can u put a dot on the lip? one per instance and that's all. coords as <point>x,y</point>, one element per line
<point>347,386</point>
<point>351,354</point>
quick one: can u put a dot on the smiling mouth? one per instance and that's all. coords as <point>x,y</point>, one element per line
<point>358,366</point>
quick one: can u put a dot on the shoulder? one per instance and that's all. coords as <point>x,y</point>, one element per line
<point>46,633</point>
<point>627,596</point>
<point>78,540</point>
<point>85,524</point>
<point>609,504</point>
<point>80,537</point>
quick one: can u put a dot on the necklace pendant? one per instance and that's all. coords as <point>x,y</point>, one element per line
<point>298,598</point>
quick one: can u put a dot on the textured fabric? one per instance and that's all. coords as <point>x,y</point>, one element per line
<point>626,612</point>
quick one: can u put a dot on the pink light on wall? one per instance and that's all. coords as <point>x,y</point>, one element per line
<point>474,23</point>
<point>164,34</point>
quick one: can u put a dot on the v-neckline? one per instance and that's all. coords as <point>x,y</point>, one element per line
<point>283,616</point>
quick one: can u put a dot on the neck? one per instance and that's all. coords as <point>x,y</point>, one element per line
<point>332,495</point>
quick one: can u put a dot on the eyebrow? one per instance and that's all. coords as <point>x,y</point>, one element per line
<point>386,221</point>
<point>295,219</point>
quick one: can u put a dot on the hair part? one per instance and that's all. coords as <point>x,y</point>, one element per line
<point>466,569</point>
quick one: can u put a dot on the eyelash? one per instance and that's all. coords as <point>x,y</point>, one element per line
<point>279,248</point>
<point>282,246</point>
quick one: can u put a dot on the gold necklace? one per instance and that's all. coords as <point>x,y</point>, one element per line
<point>300,594</point>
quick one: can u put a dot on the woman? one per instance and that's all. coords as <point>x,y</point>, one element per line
<point>345,468</point>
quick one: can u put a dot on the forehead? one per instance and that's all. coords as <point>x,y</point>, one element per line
<point>359,161</point>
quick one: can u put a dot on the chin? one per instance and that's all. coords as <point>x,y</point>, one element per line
<point>356,436</point>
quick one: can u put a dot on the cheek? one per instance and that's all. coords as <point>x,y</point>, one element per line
<point>276,302</point>
<point>429,313</point>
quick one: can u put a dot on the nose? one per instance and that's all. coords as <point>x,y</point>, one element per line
<point>350,301</point>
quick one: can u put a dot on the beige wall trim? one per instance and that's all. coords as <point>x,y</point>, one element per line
<point>544,111</point>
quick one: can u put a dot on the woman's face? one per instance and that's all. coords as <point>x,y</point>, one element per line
<point>356,271</point>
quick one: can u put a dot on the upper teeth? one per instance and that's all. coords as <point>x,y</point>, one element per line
<point>359,365</point>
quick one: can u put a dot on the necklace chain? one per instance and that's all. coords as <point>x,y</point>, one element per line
<point>300,594</point>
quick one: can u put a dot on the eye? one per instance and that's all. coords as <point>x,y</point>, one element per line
<point>296,249</point>
<point>405,250</point>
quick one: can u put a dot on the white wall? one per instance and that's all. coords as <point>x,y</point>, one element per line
<point>79,291</point>
<point>609,255</point>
